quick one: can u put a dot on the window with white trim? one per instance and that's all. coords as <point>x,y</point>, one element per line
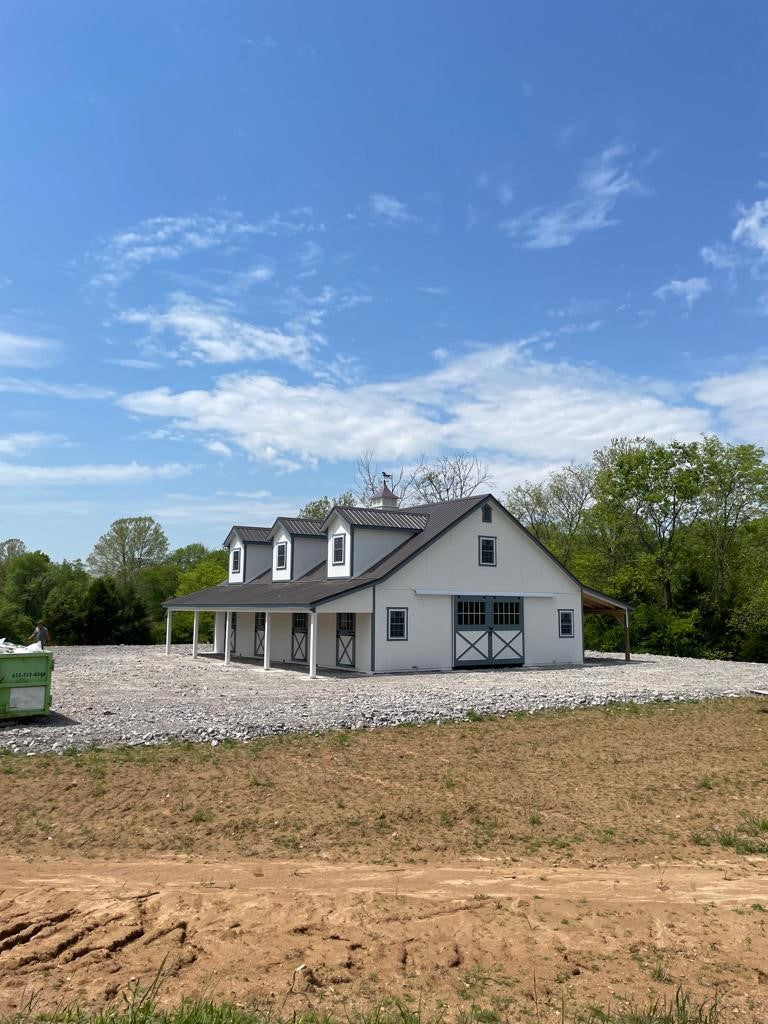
<point>565,622</point>
<point>487,550</point>
<point>236,560</point>
<point>397,623</point>
<point>338,549</point>
<point>281,556</point>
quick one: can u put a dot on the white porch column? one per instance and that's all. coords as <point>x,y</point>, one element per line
<point>168,619</point>
<point>195,632</point>
<point>313,645</point>
<point>227,638</point>
<point>267,638</point>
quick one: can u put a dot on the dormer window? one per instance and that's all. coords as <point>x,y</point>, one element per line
<point>487,513</point>
<point>281,557</point>
<point>236,560</point>
<point>338,549</point>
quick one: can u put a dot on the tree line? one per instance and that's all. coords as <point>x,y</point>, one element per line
<point>678,530</point>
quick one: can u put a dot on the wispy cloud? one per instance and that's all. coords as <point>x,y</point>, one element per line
<point>604,180</point>
<point>32,386</point>
<point>243,280</point>
<point>742,400</point>
<point>747,250</point>
<point>135,364</point>
<point>435,289</point>
<point>526,405</point>
<point>19,444</point>
<point>688,291</point>
<point>22,350</point>
<point>169,238</point>
<point>209,332</point>
<point>389,209</point>
<point>129,473</point>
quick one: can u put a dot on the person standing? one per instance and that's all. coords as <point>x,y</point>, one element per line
<point>40,634</point>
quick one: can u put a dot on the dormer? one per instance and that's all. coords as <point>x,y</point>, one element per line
<point>250,552</point>
<point>298,545</point>
<point>357,538</point>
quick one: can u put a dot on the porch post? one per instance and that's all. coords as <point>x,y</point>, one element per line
<point>195,632</point>
<point>313,644</point>
<point>168,618</point>
<point>626,635</point>
<point>227,637</point>
<point>267,638</point>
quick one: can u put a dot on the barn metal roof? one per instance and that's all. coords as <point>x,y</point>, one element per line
<point>250,534</point>
<point>299,526</point>
<point>383,518</point>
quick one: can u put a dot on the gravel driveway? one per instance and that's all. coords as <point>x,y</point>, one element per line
<point>137,695</point>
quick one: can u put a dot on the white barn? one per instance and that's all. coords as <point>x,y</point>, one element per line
<point>452,585</point>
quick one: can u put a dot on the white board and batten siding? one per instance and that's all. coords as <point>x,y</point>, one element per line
<point>301,555</point>
<point>254,559</point>
<point>451,566</point>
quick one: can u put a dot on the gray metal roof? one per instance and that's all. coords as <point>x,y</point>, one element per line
<point>250,534</point>
<point>299,526</point>
<point>314,587</point>
<point>383,518</point>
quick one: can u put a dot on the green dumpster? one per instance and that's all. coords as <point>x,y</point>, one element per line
<point>25,684</point>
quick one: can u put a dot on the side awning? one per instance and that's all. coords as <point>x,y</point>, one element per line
<point>595,603</point>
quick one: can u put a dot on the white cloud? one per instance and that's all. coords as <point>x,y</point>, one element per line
<point>31,386</point>
<point>502,400</point>
<point>169,238</point>
<point>604,180</point>
<point>132,472</point>
<point>435,290</point>
<point>219,448</point>
<point>687,291</point>
<point>244,279</point>
<point>134,364</point>
<point>19,444</point>
<point>23,350</point>
<point>209,332</point>
<point>389,209</point>
<point>742,401</point>
<point>752,226</point>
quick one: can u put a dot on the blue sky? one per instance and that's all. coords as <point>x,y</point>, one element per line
<point>243,242</point>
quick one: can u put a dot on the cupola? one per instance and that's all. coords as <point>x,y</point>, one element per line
<point>385,497</point>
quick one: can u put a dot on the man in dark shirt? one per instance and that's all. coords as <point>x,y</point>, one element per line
<point>40,634</point>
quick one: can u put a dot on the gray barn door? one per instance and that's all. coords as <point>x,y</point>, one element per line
<point>299,628</point>
<point>345,639</point>
<point>488,631</point>
<point>258,638</point>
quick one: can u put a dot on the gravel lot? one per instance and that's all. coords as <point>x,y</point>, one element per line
<point>137,695</point>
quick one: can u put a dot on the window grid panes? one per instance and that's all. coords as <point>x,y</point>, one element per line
<point>566,622</point>
<point>397,624</point>
<point>487,551</point>
<point>282,555</point>
<point>471,613</point>
<point>338,549</point>
<point>261,620</point>
<point>300,621</point>
<point>506,613</point>
<point>345,622</point>
<point>487,514</point>
<point>236,560</point>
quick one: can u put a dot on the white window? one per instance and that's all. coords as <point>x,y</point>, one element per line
<point>565,621</point>
<point>487,550</point>
<point>282,555</point>
<point>236,560</point>
<point>338,549</point>
<point>397,623</point>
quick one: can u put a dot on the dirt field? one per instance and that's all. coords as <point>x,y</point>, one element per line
<point>507,864</point>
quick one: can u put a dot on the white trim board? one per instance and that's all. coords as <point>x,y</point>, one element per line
<point>424,592</point>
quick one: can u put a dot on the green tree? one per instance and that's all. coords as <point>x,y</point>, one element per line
<point>184,558</point>
<point>653,491</point>
<point>320,507</point>
<point>128,546</point>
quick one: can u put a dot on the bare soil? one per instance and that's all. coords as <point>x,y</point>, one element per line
<point>509,863</point>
